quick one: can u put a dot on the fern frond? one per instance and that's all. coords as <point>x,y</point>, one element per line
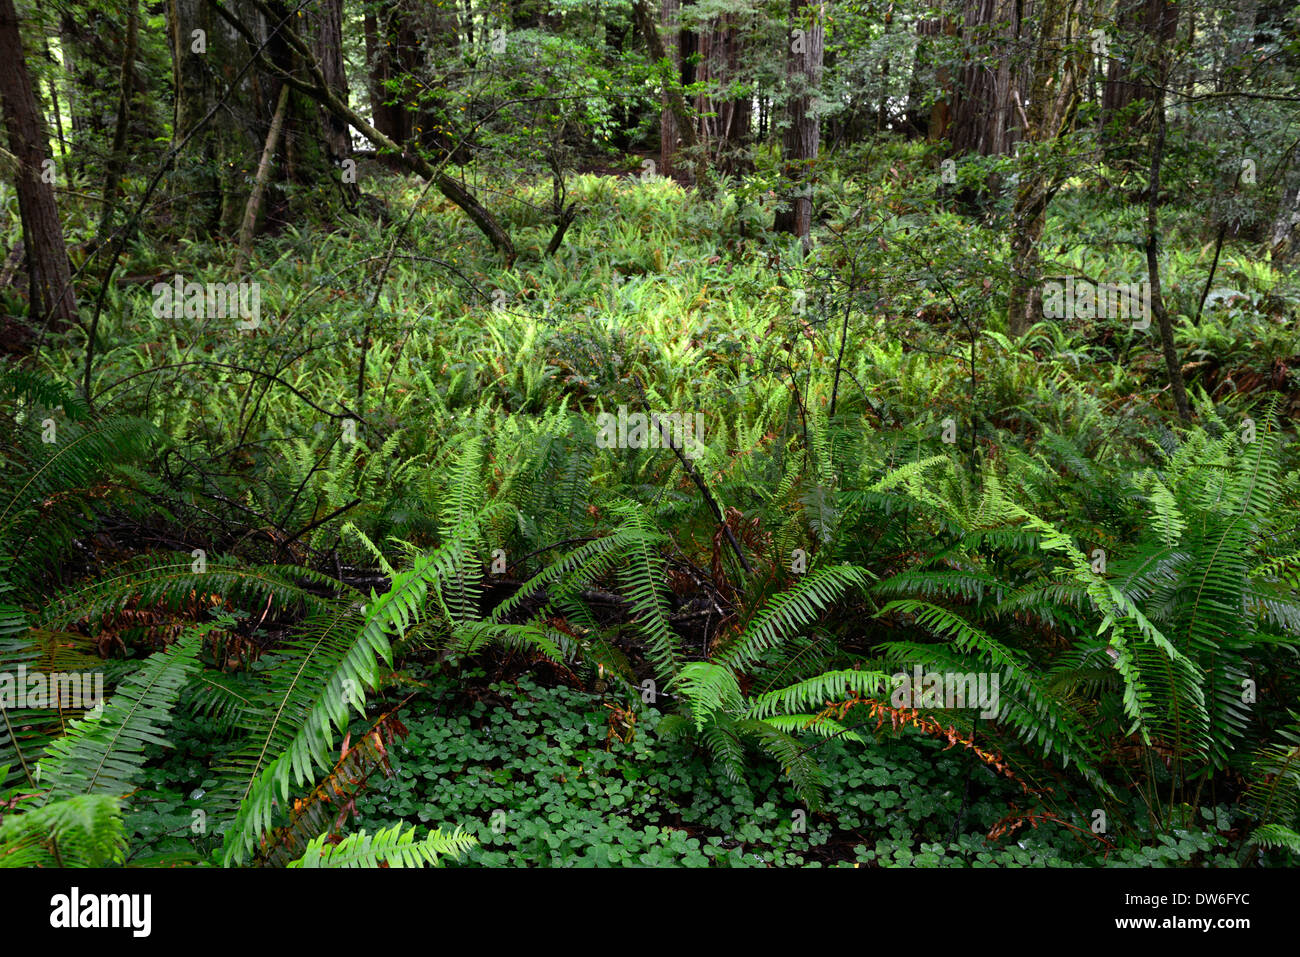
<point>820,690</point>
<point>85,830</point>
<point>390,847</point>
<point>707,688</point>
<point>1273,794</point>
<point>103,755</point>
<point>642,578</point>
<point>311,694</point>
<point>788,611</point>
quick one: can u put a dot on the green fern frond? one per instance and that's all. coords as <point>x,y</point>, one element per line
<point>86,830</point>
<point>1026,704</point>
<point>1276,835</point>
<point>1273,794</point>
<point>821,690</point>
<point>788,611</point>
<point>168,582</point>
<point>312,692</point>
<point>389,847</point>
<point>31,386</point>
<point>820,725</point>
<point>793,757</point>
<point>643,577</point>
<point>707,689</point>
<point>103,755</point>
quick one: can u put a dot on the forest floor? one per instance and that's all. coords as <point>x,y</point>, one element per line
<point>656,296</point>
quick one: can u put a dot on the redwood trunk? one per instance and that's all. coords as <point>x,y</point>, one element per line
<point>49,275</point>
<point>679,134</point>
<point>803,132</point>
<point>329,53</point>
<point>985,118</point>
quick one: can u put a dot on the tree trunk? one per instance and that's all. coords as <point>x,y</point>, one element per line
<point>1284,232</point>
<point>668,133</point>
<point>917,122</point>
<point>117,158</point>
<point>683,123</point>
<point>724,122</point>
<point>336,138</point>
<point>1048,111</point>
<point>237,105</point>
<point>406,105</point>
<point>882,106</point>
<point>318,89</point>
<point>1284,237</point>
<point>1145,26</point>
<point>49,274</point>
<point>392,52</point>
<point>209,177</point>
<point>80,83</point>
<point>1163,321</point>
<point>52,80</point>
<point>259,184</point>
<point>985,119</point>
<point>802,135</point>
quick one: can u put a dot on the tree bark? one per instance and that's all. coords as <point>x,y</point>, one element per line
<point>50,276</point>
<point>724,121</point>
<point>80,83</point>
<point>259,183</point>
<point>802,135</point>
<point>934,124</point>
<point>212,175</point>
<point>53,82</point>
<point>208,182</point>
<point>668,132</point>
<point>392,52</point>
<point>117,158</point>
<point>329,51</point>
<point>683,123</point>
<point>318,89</point>
<point>1146,28</point>
<point>1163,321</point>
<point>406,107</point>
<point>985,120</point>
<point>1284,233</point>
<point>882,106</point>
<point>1048,111</point>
